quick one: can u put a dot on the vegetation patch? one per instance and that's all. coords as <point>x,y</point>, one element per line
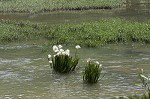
<point>62,61</point>
<point>92,72</point>
<point>16,31</point>
<point>34,6</point>
<point>90,34</point>
<point>105,31</point>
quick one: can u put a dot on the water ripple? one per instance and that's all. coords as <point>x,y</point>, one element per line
<point>18,61</point>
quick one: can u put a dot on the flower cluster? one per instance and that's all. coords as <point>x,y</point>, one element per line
<point>96,62</point>
<point>62,61</point>
<point>92,71</point>
<point>59,51</point>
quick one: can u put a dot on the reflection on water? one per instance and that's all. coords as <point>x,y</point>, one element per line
<point>25,72</point>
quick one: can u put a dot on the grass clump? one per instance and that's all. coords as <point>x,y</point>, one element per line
<point>62,62</point>
<point>104,31</point>
<point>17,31</point>
<point>89,34</point>
<point>92,72</point>
<point>34,6</point>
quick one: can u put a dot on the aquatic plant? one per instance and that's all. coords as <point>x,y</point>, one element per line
<point>35,6</point>
<point>62,61</point>
<point>89,34</point>
<point>145,81</point>
<point>19,30</point>
<point>104,31</point>
<point>92,72</point>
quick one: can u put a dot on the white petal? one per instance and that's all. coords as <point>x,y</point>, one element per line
<point>49,56</point>
<point>63,53</point>
<point>67,52</point>
<point>60,46</point>
<point>88,60</point>
<point>61,50</point>
<point>77,47</point>
<point>97,62</point>
<point>50,62</point>
<point>56,51</point>
<point>55,48</point>
<point>59,53</point>
<point>144,77</point>
<point>100,65</point>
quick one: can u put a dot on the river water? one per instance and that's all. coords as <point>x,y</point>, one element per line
<point>26,74</point>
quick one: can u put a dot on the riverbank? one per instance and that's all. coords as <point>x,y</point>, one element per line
<point>91,34</point>
<point>35,6</point>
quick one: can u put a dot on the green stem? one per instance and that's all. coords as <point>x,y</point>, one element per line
<point>76,53</point>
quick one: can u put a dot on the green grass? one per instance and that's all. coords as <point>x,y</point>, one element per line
<point>52,5</point>
<point>91,34</point>
<point>16,31</point>
<point>105,31</point>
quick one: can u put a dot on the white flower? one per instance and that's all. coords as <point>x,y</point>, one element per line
<point>100,65</point>
<point>67,52</point>
<point>144,77</point>
<point>77,47</point>
<point>88,60</point>
<point>59,53</point>
<point>63,53</point>
<point>49,56</point>
<point>61,50</point>
<point>97,62</point>
<point>142,71</point>
<point>50,62</point>
<point>55,48</point>
<point>60,46</point>
<point>56,51</point>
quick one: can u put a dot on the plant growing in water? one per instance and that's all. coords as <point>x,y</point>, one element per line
<point>145,81</point>
<point>61,61</point>
<point>92,72</point>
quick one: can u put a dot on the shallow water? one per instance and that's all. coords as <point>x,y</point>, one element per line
<point>25,72</point>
